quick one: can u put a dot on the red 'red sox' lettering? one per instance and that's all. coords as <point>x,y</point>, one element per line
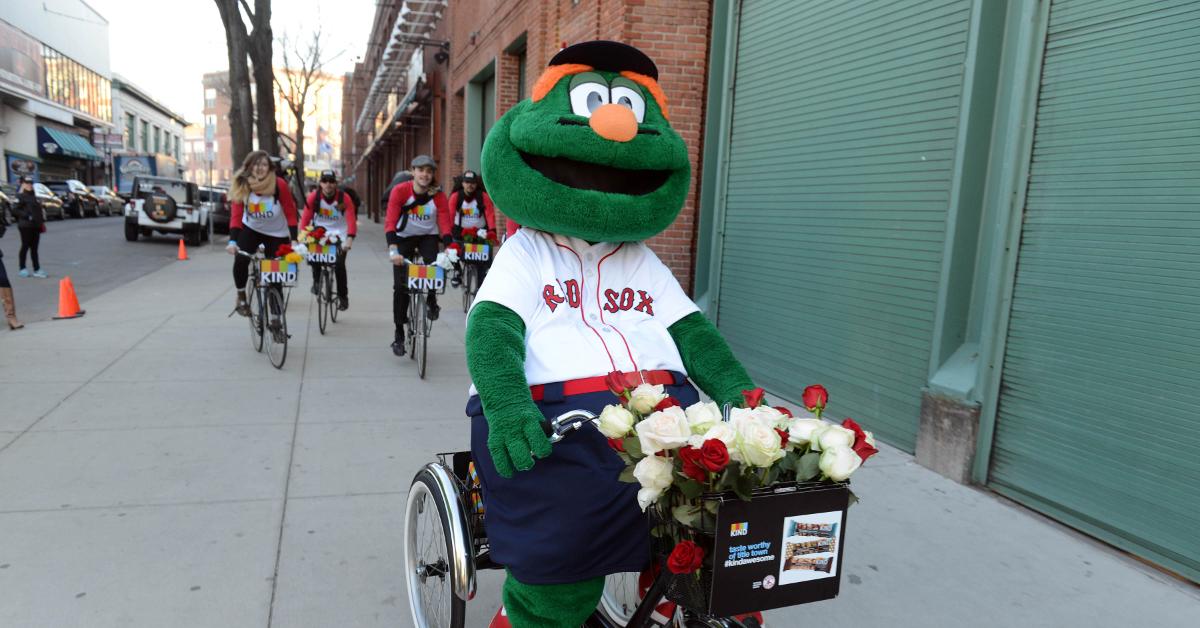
<point>622,301</point>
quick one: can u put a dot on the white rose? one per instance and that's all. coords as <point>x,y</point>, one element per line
<point>666,429</point>
<point>770,417</point>
<point>643,398</point>
<point>758,444</point>
<point>801,430</point>
<point>482,233</point>
<point>647,496</point>
<point>702,416</point>
<point>695,440</point>
<point>835,436</point>
<point>839,462</point>
<point>615,422</point>
<point>654,472</point>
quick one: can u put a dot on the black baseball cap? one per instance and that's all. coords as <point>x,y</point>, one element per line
<point>25,179</point>
<point>470,176</point>
<point>328,175</point>
<point>612,56</point>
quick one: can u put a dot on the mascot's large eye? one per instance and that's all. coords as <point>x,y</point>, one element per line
<point>631,98</point>
<point>588,97</point>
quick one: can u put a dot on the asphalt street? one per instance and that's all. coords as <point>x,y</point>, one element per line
<point>92,252</point>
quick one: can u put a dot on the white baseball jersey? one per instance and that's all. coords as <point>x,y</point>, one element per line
<point>470,216</point>
<point>589,309</point>
<point>330,216</point>
<point>264,214</point>
<point>422,219</point>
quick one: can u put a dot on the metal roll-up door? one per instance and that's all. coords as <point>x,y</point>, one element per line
<point>1099,414</point>
<point>840,168</point>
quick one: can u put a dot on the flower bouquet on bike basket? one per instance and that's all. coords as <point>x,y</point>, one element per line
<point>476,246</point>
<point>747,505</point>
<point>321,246</point>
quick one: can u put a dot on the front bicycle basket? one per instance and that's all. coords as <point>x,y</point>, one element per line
<point>781,548</point>
<point>278,272</point>
<point>425,278</point>
<point>321,253</point>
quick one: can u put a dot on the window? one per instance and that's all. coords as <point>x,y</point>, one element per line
<point>145,136</point>
<point>130,131</point>
<point>70,83</point>
<point>521,76</point>
<point>210,98</point>
<point>157,140</point>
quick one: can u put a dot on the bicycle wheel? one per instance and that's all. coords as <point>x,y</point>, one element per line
<point>422,341</point>
<point>254,305</point>
<point>322,298</point>
<point>429,556</point>
<point>468,296</point>
<point>620,597</point>
<point>276,316</point>
<point>330,299</point>
<point>416,309</point>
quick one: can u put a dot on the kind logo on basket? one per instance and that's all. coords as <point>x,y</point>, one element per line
<point>278,271</point>
<point>739,529</point>
<point>476,252</point>
<point>425,277</point>
<point>322,253</point>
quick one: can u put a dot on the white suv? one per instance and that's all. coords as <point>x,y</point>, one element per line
<point>165,205</point>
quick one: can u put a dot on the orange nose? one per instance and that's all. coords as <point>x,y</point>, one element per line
<point>614,122</point>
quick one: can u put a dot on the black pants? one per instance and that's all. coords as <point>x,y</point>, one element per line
<point>3,274</point>
<point>428,246</point>
<point>339,273</point>
<point>248,241</point>
<point>30,236</point>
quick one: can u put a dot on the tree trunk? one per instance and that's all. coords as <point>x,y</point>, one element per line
<point>261,54</point>
<point>241,121</point>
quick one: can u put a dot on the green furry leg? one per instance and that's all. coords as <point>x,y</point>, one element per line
<point>550,605</point>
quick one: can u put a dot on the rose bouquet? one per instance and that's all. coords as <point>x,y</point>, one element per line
<point>286,253</point>
<point>318,235</point>
<point>473,235</point>
<point>677,455</point>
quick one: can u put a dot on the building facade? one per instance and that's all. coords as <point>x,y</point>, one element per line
<point>146,126</point>
<point>55,91</point>
<point>972,220</point>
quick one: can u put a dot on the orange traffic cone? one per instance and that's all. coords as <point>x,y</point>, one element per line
<point>68,305</point>
<point>182,251</point>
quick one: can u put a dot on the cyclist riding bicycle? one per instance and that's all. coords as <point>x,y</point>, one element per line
<point>418,219</point>
<point>263,212</point>
<point>473,214</point>
<point>335,211</point>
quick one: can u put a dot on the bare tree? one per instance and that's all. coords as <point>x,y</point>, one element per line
<point>241,114</point>
<point>303,81</point>
<point>255,42</point>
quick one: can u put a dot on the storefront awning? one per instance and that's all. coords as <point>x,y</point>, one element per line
<point>53,142</point>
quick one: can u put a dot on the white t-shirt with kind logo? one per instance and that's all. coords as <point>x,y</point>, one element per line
<point>264,215</point>
<point>471,215</point>
<point>422,219</point>
<point>329,216</point>
<point>589,309</point>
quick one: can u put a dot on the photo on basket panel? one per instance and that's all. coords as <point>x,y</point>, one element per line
<point>810,547</point>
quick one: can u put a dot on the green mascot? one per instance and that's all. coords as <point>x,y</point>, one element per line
<point>590,167</point>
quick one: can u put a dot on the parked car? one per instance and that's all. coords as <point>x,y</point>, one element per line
<point>217,200</point>
<point>52,206</point>
<point>110,203</point>
<point>77,199</point>
<point>165,205</point>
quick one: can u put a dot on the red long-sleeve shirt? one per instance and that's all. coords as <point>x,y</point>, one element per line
<point>400,195</point>
<point>489,210</point>
<point>349,211</point>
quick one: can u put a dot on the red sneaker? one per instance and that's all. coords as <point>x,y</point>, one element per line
<point>500,620</point>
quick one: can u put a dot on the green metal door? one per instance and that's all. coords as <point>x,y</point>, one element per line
<point>1099,412</point>
<point>840,164</point>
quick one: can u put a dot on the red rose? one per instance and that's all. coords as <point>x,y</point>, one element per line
<point>470,232</point>
<point>457,248</point>
<point>616,444</point>
<point>283,249</point>
<point>693,464</point>
<point>753,397</point>
<point>860,446</point>
<point>685,558</point>
<point>783,437</point>
<point>784,411</point>
<point>317,233</point>
<point>667,403</point>
<point>714,455</point>
<point>815,397</point>
<point>616,383</point>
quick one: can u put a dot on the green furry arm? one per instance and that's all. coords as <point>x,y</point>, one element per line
<point>708,359</point>
<point>496,360</point>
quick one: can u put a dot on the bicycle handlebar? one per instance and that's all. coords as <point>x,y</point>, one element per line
<point>567,422</point>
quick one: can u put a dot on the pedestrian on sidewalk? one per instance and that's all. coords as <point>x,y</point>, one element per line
<point>418,219</point>
<point>263,212</point>
<point>31,223</point>
<point>6,293</point>
<point>333,210</point>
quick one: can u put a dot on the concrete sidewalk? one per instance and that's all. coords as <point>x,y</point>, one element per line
<point>156,471</point>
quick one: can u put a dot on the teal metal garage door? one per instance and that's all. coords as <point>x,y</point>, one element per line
<point>840,166</point>
<point>1099,413</point>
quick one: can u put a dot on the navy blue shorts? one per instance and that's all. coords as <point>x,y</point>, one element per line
<point>569,518</point>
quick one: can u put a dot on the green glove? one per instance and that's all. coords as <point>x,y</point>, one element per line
<point>496,360</point>
<point>708,360</point>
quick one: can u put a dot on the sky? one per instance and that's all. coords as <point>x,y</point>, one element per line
<point>173,77</point>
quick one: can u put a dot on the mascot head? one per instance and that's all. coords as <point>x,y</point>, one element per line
<point>592,153</point>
